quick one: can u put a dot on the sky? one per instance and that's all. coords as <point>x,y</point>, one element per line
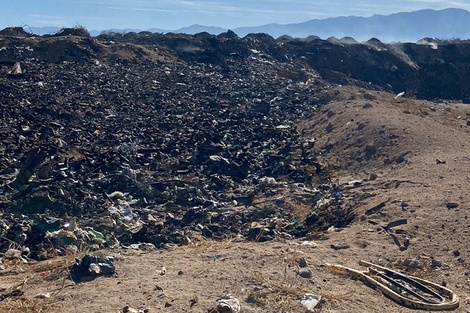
<point>175,14</point>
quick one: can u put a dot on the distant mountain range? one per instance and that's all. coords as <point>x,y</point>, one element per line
<point>405,26</point>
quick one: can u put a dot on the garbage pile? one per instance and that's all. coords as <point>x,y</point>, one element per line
<point>102,154</point>
<point>91,266</point>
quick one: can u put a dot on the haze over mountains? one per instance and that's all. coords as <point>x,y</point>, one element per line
<point>404,26</point>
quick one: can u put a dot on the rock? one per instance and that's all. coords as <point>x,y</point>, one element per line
<point>456,253</point>
<point>369,96</point>
<point>413,263</point>
<point>452,205</point>
<point>405,245</point>
<point>12,254</point>
<point>128,309</point>
<point>370,150</point>
<point>304,270</point>
<point>436,264</point>
<point>400,159</point>
<point>340,246</point>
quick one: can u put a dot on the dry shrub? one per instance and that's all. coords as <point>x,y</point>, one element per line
<point>200,243</point>
<point>282,294</point>
<point>74,31</point>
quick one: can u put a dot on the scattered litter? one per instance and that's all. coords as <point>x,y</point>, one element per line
<point>310,301</point>
<point>43,295</point>
<point>14,254</point>
<point>228,304</point>
<point>375,209</point>
<point>194,300</point>
<point>404,205</point>
<point>409,291</point>
<point>337,195</point>
<point>141,246</point>
<point>354,183</point>
<point>309,243</point>
<point>10,293</point>
<point>396,223</point>
<point>91,265</point>
<point>399,95</point>
<point>160,292</point>
<point>16,70</point>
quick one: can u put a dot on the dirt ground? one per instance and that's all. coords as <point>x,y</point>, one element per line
<point>378,149</point>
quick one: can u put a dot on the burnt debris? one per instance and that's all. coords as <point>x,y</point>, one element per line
<point>104,146</point>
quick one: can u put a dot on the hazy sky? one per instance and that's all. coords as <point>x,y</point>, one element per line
<point>174,14</point>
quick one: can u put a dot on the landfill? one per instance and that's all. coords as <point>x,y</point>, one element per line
<point>105,151</point>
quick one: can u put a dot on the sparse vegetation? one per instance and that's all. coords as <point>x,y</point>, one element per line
<point>74,31</point>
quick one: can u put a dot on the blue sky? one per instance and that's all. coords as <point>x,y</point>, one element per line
<point>174,14</point>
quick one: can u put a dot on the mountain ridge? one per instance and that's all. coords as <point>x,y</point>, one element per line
<point>450,23</point>
<point>403,26</point>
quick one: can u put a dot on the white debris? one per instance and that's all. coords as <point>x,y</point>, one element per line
<point>43,295</point>
<point>401,94</point>
<point>16,69</point>
<point>310,301</point>
<point>229,304</point>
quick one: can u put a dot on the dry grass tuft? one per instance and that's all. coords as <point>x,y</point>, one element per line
<point>282,293</point>
<point>22,304</point>
<point>17,298</point>
<point>201,244</point>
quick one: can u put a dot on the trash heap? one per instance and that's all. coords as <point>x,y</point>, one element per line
<point>105,154</point>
